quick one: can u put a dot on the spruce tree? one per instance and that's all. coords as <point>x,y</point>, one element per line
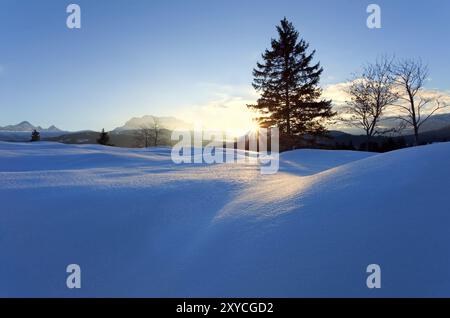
<point>288,83</point>
<point>104,138</point>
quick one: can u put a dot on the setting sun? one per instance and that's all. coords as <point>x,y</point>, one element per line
<point>254,127</point>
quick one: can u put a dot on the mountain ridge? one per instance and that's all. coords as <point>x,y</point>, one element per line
<point>26,126</point>
<point>148,121</point>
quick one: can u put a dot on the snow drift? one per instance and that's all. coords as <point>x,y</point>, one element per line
<point>139,225</point>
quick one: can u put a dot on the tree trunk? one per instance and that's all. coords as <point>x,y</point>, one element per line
<point>288,112</point>
<point>416,136</point>
<point>288,125</point>
<point>414,119</point>
<point>368,143</point>
<point>286,92</point>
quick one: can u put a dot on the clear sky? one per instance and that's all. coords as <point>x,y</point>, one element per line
<point>188,58</point>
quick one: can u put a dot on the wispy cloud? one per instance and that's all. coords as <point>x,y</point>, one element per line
<point>226,108</point>
<point>337,93</point>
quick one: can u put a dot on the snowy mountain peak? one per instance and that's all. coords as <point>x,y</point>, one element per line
<point>170,123</point>
<point>53,128</point>
<point>27,126</point>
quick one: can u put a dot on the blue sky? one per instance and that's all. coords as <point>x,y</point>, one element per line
<point>189,59</point>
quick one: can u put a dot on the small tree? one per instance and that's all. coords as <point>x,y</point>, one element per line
<point>371,93</point>
<point>143,136</point>
<point>104,138</point>
<point>35,135</point>
<point>155,130</point>
<point>148,134</point>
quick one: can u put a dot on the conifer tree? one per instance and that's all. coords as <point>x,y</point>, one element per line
<point>288,83</point>
<point>104,138</point>
<point>35,135</point>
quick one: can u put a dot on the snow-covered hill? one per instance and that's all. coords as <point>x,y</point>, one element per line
<point>139,225</point>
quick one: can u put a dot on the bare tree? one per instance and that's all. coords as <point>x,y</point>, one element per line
<point>410,76</point>
<point>370,94</point>
<point>148,135</point>
<point>155,130</point>
<point>143,136</point>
